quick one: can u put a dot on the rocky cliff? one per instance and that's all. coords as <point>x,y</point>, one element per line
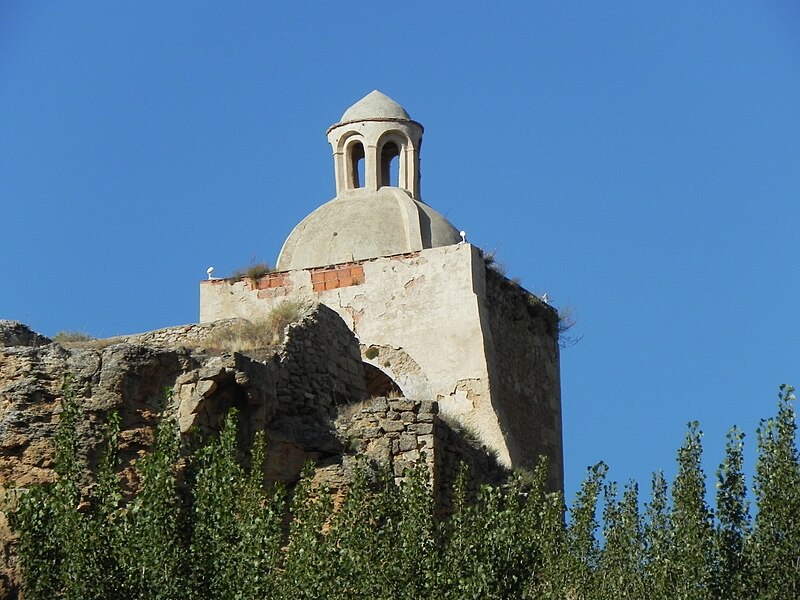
<point>292,391</point>
<point>307,392</point>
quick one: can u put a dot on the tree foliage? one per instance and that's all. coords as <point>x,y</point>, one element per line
<point>203,525</point>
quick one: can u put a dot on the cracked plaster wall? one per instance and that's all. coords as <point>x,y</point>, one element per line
<point>426,307</point>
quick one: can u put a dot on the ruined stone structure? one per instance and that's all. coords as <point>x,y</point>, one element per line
<point>406,348</point>
<point>308,394</point>
<point>431,319</point>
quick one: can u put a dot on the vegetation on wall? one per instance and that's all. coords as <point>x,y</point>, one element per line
<point>71,337</point>
<point>253,271</point>
<point>259,334</point>
<point>205,527</point>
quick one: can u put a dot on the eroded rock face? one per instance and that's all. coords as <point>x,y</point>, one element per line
<point>308,395</point>
<point>14,333</point>
<point>290,393</point>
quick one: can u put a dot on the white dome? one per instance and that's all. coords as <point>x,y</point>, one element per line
<point>360,225</point>
<point>375,105</point>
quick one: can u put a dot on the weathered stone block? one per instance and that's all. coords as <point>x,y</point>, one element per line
<point>425,441</point>
<point>400,466</point>
<point>403,405</point>
<point>379,405</point>
<point>206,387</point>
<point>421,428</point>
<point>370,432</point>
<point>429,406</point>
<point>411,456</point>
<point>408,441</point>
<point>389,425</point>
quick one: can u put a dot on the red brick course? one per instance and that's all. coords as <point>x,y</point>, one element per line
<point>272,280</point>
<point>331,278</point>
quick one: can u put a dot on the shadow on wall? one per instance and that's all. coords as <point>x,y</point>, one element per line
<point>379,383</point>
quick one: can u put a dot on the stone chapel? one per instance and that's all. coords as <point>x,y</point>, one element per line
<point>433,320</point>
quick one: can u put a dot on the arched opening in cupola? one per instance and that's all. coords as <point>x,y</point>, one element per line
<point>355,165</point>
<point>390,165</point>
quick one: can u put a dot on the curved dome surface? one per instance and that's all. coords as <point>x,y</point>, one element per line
<point>359,226</point>
<point>375,105</point>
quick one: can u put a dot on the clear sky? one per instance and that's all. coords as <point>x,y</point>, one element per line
<point>638,161</point>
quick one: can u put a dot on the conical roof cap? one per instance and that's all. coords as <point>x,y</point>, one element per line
<point>375,105</point>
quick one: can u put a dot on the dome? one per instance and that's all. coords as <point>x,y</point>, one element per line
<point>375,106</point>
<point>364,226</point>
<point>378,210</point>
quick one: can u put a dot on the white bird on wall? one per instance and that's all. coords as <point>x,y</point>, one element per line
<point>545,299</point>
<point>463,235</point>
<point>210,270</point>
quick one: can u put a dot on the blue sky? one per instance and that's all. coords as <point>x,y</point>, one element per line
<point>637,161</point>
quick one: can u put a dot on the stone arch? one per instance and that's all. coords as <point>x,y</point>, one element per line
<point>355,158</point>
<point>399,368</point>
<point>390,167</point>
<point>393,168</point>
<point>379,383</point>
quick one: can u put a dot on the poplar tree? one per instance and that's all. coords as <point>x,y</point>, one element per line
<point>692,536</point>
<point>732,572</point>
<point>775,546</point>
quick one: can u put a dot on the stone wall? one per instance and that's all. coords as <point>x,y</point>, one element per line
<point>442,327</point>
<point>192,334</point>
<point>399,432</point>
<point>421,311</point>
<point>319,369</point>
<point>320,357</point>
<point>525,373</point>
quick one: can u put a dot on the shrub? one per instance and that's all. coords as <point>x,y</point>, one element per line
<point>490,259</point>
<point>71,337</point>
<point>566,321</point>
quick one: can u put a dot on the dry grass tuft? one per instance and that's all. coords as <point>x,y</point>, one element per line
<point>262,334</point>
<point>70,337</point>
<point>284,314</point>
<point>244,336</point>
<point>78,340</point>
<point>252,272</point>
<point>346,412</point>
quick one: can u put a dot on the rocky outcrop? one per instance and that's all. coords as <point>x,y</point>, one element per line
<point>14,333</point>
<point>308,394</point>
<point>290,392</point>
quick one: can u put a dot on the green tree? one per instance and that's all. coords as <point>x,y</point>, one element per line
<point>775,545</point>
<point>308,554</point>
<point>58,541</point>
<point>153,545</point>
<point>732,573</point>
<point>622,558</point>
<point>658,541</point>
<point>692,536</point>
<point>583,548</point>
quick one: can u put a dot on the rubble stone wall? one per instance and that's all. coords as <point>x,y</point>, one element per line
<point>399,432</point>
<point>525,373</point>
